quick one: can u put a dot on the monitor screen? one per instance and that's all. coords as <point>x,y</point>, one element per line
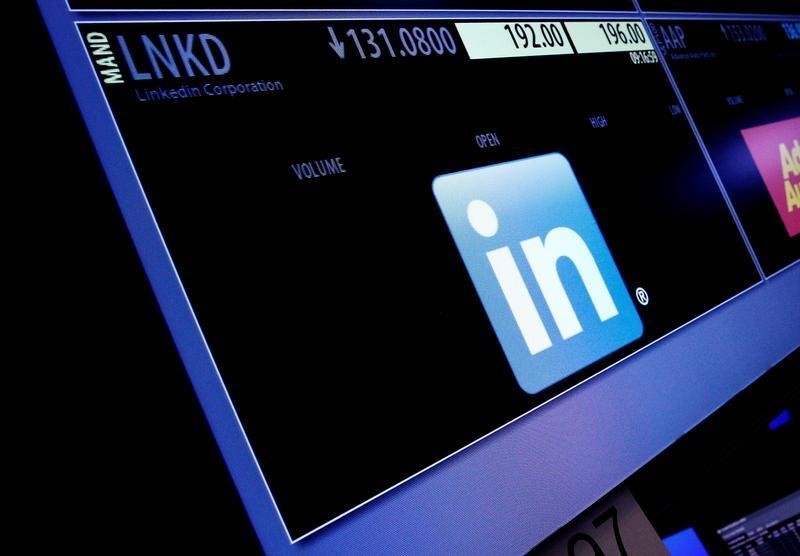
<point>770,530</point>
<point>442,277</point>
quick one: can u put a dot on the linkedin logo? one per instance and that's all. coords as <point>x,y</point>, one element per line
<point>540,265</point>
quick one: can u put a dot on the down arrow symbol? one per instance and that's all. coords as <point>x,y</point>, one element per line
<point>336,45</point>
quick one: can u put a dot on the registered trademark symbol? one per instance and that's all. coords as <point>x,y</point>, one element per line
<point>642,297</point>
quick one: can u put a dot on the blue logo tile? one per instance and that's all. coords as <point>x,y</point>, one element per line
<point>540,265</point>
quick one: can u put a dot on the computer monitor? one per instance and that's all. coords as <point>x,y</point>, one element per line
<point>442,275</point>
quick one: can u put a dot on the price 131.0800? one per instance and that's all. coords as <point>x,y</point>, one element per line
<point>397,43</point>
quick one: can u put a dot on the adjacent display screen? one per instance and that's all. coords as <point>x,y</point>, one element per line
<point>406,234</point>
<point>741,82</point>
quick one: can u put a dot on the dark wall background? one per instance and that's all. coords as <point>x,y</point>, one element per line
<point>110,421</point>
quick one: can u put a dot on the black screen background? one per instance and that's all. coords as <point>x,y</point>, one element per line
<point>267,262</point>
<point>353,4</point>
<point>722,6</point>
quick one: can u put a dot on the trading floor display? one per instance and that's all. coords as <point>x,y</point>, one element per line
<point>444,275</point>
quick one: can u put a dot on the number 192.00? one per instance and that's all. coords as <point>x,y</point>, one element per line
<point>525,36</point>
